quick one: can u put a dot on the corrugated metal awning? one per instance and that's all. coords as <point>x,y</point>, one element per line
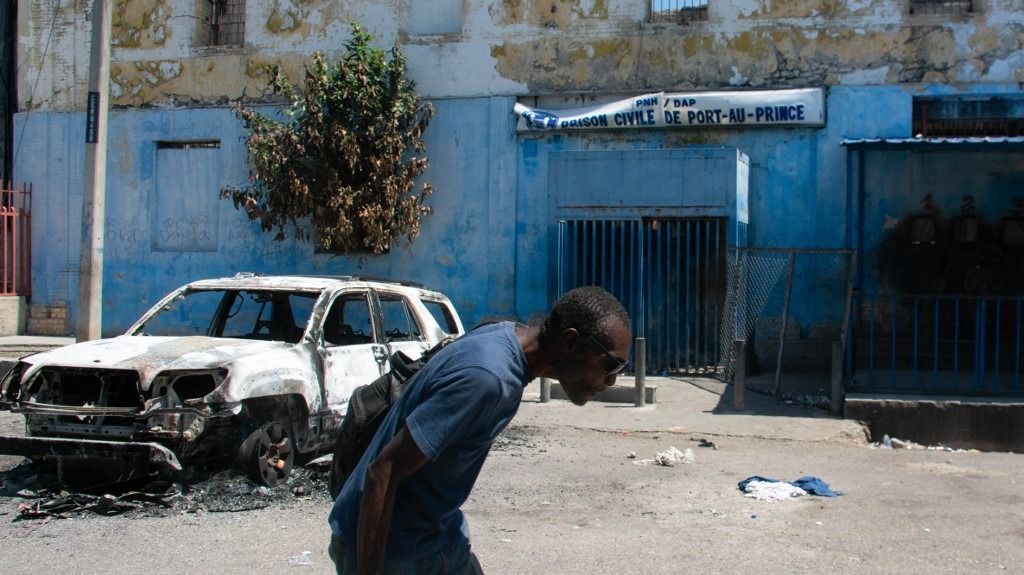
<point>975,144</point>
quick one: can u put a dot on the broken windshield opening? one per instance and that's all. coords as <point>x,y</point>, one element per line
<point>244,314</point>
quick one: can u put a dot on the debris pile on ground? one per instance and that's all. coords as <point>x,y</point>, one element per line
<point>45,504</point>
<point>895,443</point>
<point>231,492</point>
<point>226,491</point>
<point>702,442</point>
<point>667,458</point>
<point>515,438</point>
<point>816,401</point>
<point>301,559</point>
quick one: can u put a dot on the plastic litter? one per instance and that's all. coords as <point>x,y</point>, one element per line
<point>896,443</point>
<point>300,559</point>
<point>669,458</point>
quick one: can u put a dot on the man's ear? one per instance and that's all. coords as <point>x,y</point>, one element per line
<point>569,337</point>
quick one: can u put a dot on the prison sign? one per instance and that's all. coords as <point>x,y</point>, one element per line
<point>797,107</point>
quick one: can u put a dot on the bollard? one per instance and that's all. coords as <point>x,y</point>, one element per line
<point>739,377</point>
<point>837,378</point>
<point>545,390</point>
<point>640,372</point>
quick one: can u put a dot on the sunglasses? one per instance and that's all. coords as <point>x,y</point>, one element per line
<point>612,365</point>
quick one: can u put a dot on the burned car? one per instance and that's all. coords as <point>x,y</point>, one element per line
<point>255,367</point>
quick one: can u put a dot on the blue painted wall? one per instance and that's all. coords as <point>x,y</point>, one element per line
<point>466,145</point>
<point>489,242</point>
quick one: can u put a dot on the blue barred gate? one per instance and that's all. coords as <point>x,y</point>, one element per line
<point>670,273</point>
<point>962,345</point>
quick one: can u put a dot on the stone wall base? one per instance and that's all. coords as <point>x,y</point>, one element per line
<point>13,312</point>
<point>49,319</point>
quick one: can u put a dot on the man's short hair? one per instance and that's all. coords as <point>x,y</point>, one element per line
<point>588,309</point>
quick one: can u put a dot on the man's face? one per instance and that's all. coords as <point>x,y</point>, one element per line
<point>588,367</point>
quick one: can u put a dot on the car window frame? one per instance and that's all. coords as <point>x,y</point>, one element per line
<point>450,314</point>
<point>373,308</point>
<point>410,311</point>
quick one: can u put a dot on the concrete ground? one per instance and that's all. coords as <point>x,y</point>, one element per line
<point>561,494</point>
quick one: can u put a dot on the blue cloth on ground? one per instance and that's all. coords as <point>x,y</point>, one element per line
<point>812,485</point>
<point>815,486</point>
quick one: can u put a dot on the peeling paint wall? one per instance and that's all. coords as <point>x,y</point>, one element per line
<point>491,225</point>
<point>517,47</point>
<point>464,247</point>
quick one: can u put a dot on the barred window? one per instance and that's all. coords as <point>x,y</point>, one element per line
<point>968,116</point>
<point>226,23</point>
<point>679,11</point>
<point>941,6</point>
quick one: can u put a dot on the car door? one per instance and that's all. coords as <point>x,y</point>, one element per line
<point>353,354</point>
<point>401,327</point>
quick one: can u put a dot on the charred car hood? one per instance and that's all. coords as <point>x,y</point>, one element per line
<point>151,355</point>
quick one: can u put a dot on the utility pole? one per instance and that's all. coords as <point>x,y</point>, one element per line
<point>90,261</point>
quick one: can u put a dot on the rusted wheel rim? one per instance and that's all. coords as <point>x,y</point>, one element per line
<point>268,454</point>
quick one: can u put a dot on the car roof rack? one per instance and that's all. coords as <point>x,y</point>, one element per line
<point>368,278</point>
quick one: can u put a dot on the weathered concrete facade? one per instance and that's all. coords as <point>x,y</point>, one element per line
<point>524,47</point>
<point>490,241</point>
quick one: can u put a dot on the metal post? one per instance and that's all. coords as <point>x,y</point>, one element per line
<point>739,378</point>
<point>782,328</point>
<point>90,261</point>
<point>837,378</point>
<point>545,390</point>
<point>640,371</point>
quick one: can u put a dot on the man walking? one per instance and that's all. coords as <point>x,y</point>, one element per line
<point>399,510</point>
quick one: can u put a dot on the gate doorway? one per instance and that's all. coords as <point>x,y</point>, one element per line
<point>670,275</point>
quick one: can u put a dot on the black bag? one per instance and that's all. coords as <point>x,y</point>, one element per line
<point>366,410</point>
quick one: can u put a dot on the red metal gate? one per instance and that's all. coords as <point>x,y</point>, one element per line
<point>15,240</point>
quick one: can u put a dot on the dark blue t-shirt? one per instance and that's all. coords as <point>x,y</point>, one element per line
<point>454,408</point>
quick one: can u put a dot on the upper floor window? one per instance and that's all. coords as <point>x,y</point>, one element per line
<point>225,22</point>
<point>941,6</point>
<point>680,11</point>
<point>433,17</point>
<point>968,116</point>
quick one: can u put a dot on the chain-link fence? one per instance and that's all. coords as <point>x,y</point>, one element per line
<point>789,305</point>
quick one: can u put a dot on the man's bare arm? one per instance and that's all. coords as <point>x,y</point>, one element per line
<point>399,459</point>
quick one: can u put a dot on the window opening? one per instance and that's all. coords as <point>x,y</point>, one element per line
<point>226,22</point>
<point>442,315</point>
<point>244,314</point>
<point>678,11</point>
<point>348,322</point>
<point>968,116</point>
<point>941,6</point>
<point>272,316</point>
<point>434,18</point>
<point>398,321</point>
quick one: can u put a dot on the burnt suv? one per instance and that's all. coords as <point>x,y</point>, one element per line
<point>260,367</point>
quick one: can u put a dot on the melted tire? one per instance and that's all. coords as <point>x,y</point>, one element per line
<point>267,454</point>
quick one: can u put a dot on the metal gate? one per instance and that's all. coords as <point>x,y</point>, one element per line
<point>668,272</point>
